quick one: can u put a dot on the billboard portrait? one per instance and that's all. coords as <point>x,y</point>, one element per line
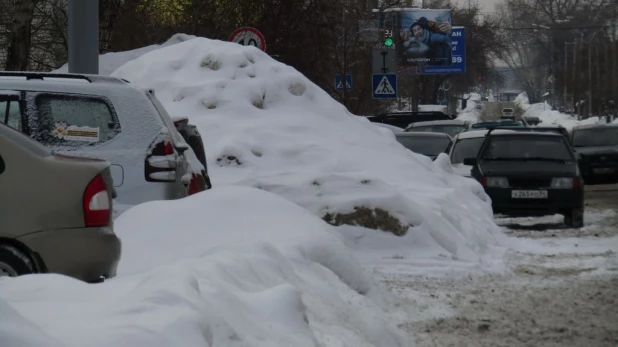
<point>424,38</point>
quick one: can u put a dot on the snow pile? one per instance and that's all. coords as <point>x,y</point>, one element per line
<point>230,267</point>
<point>267,126</point>
<point>544,112</point>
<point>109,62</point>
<point>471,113</point>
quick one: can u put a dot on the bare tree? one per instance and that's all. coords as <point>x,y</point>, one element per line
<point>20,36</point>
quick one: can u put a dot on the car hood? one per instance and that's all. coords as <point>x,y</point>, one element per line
<point>528,168</point>
<point>597,150</point>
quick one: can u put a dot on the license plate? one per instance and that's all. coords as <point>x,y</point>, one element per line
<point>603,171</point>
<point>529,194</point>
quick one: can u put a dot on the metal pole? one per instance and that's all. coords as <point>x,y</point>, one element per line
<point>566,63</point>
<point>589,79</point>
<point>84,36</point>
<point>574,76</point>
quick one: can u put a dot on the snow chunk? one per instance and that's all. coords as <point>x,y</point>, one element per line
<point>311,150</point>
<point>547,116</point>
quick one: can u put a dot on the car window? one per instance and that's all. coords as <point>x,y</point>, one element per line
<point>595,137</point>
<point>10,113</point>
<point>24,141</point>
<point>424,144</point>
<point>527,147</point>
<point>449,129</point>
<point>73,120</point>
<point>466,148</point>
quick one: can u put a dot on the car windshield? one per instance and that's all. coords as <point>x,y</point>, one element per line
<point>528,148</point>
<point>595,137</point>
<point>426,145</point>
<point>450,129</point>
<point>466,148</point>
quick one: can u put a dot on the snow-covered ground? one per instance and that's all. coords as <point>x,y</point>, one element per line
<point>544,112</point>
<point>252,262</point>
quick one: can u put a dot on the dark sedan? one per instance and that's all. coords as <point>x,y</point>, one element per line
<point>530,174</point>
<point>425,143</point>
<point>597,148</point>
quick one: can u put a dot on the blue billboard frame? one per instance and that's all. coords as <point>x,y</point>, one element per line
<point>458,65</point>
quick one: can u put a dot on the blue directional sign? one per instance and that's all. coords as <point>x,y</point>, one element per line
<point>385,86</point>
<point>459,56</point>
<point>339,83</point>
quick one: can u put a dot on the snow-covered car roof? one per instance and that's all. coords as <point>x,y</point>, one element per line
<point>601,125</point>
<point>481,133</point>
<point>389,127</point>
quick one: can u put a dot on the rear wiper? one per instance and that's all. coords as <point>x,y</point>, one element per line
<point>555,160</point>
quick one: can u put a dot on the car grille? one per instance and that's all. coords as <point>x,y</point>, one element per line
<point>529,183</point>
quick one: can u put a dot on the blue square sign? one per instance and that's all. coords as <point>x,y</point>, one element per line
<point>341,84</point>
<point>384,86</point>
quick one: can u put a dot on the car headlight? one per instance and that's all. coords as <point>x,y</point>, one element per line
<point>496,182</point>
<point>562,183</point>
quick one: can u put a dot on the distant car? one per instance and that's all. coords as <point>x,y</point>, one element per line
<point>508,113</point>
<point>402,119</point>
<point>107,118</point>
<point>528,173</point>
<point>427,144</point>
<point>597,148</point>
<point>502,124</point>
<point>449,127</point>
<point>56,212</point>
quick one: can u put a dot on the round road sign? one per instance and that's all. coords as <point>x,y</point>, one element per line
<point>249,37</point>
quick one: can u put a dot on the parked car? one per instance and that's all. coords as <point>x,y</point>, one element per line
<point>425,143</point>
<point>465,145</point>
<point>493,124</point>
<point>449,127</point>
<point>389,127</point>
<point>597,149</point>
<point>56,213</point>
<point>107,118</point>
<point>527,173</point>
<point>508,113</point>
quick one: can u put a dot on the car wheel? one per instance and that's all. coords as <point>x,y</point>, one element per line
<point>13,262</point>
<point>574,218</point>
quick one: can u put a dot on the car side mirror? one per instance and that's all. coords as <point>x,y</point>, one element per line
<point>470,161</point>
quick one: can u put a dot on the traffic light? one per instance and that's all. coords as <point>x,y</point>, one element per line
<point>388,38</point>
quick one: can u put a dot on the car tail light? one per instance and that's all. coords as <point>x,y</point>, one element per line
<point>195,185</point>
<point>97,205</point>
<point>484,181</point>
<point>160,163</point>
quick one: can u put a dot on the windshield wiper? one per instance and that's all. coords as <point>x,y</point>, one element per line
<point>531,159</point>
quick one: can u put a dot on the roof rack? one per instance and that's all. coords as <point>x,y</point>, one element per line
<point>29,75</point>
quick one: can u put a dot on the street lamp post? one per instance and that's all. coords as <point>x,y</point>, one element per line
<point>84,36</point>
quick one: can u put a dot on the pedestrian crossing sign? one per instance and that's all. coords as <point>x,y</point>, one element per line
<point>342,84</point>
<point>385,86</point>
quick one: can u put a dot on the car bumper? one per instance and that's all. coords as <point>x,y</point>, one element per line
<point>600,170</point>
<point>557,201</point>
<point>84,253</point>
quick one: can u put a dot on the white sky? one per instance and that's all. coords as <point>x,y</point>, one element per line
<point>486,5</point>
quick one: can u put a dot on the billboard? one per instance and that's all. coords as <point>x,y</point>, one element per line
<point>458,56</point>
<point>424,38</point>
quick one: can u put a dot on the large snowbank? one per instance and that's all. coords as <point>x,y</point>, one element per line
<point>267,126</point>
<point>471,113</point>
<point>231,267</point>
<point>547,116</point>
<point>109,62</point>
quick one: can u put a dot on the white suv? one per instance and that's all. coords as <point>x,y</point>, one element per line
<point>110,119</point>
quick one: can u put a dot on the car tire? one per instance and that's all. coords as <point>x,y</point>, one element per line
<point>14,262</point>
<point>574,218</point>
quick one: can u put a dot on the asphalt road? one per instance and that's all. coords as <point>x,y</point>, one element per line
<point>564,295</point>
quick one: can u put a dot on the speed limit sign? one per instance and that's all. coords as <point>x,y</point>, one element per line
<point>249,37</point>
